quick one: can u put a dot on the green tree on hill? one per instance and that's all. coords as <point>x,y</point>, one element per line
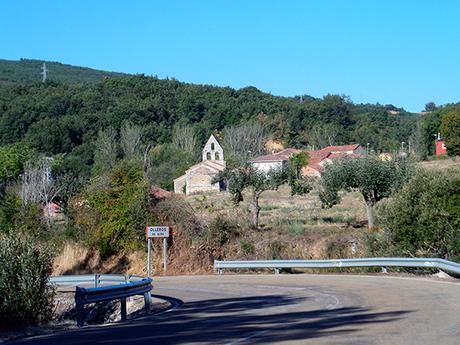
<point>247,177</point>
<point>423,218</point>
<point>373,178</point>
<point>451,131</point>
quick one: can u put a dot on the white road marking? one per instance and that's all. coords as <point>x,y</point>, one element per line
<point>335,305</point>
<point>247,338</point>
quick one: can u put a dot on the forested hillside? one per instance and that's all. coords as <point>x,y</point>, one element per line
<point>27,70</point>
<point>57,117</point>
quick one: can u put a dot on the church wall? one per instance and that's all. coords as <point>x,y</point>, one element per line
<point>200,182</point>
<point>179,185</point>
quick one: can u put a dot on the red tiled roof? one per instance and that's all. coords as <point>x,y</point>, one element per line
<point>159,193</point>
<point>317,167</point>
<point>277,157</point>
<point>340,148</point>
<point>318,154</point>
<point>344,155</point>
<point>315,160</point>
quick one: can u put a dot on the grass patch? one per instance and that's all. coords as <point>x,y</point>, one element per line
<point>246,247</point>
<point>268,207</point>
<point>296,228</point>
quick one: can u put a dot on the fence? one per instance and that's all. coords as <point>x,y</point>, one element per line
<point>441,264</point>
<point>123,286</point>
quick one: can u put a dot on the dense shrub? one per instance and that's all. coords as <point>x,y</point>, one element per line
<point>451,131</point>
<point>221,230</point>
<point>423,218</point>
<point>114,209</point>
<point>25,295</point>
<point>9,206</point>
<point>175,210</point>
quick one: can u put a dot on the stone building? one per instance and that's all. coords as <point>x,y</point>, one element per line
<point>197,178</point>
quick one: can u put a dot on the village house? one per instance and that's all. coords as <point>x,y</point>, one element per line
<point>274,160</point>
<point>198,178</point>
<point>317,158</point>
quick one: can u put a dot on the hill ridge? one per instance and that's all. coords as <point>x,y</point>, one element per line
<point>29,71</point>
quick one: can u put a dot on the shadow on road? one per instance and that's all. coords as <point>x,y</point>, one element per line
<point>231,320</point>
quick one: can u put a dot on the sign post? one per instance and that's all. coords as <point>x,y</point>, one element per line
<point>156,232</point>
<point>164,254</point>
<point>149,240</point>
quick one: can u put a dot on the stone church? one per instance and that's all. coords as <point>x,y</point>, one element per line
<point>197,178</point>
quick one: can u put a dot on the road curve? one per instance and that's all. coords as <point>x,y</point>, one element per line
<point>289,309</point>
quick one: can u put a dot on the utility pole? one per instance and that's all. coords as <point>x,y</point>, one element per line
<point>44,72</point>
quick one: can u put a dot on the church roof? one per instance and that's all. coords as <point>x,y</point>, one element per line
<point>210,165</point>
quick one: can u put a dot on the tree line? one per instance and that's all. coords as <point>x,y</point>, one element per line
<point>63,118</point>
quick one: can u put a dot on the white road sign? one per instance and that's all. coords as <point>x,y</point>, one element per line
<point>157,231</point>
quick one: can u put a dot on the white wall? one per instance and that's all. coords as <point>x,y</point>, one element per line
<point>208,147</point>
<point>266,166</point>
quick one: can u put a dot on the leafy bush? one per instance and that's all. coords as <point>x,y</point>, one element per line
<point>247,247</point>
<point>115,209</point>
<point>9,206</point>
<point>423,218</point>
<point>221,230</point>
<point>275,250</point>
<point>25,295</point>
<point>178,212</point>
<point>451,131</point>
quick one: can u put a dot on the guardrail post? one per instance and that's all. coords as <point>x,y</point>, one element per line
<point>80,315</point>
<point>123,309</point>
<point>277,271</point>
<point>147,301</point>
<point>80,306</point>
<point>96,280</point>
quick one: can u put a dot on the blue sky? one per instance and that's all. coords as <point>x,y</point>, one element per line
<point>402,52</point>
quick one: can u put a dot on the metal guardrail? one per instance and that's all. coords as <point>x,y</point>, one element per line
<point>122,286</point>
<point>441,264</point>
<point>93,279</point>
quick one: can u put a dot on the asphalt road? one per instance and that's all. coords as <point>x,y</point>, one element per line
<point>288,309</point>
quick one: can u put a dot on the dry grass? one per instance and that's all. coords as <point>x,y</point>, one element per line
<point>291,227</point>
<point>279,208</point>
<point>78,259</point>
<point>441,164</point>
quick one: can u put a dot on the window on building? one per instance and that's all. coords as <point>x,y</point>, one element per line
<point>212,146</point>
<point>217,156</point>
<point>208,156</point>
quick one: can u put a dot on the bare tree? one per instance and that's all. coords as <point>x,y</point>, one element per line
<point>131,140</point>
<point>184,138</point>
<point>146,159</point>
<point>38,185</point>
<point>106,150</point>
<point>246,141</point>
<point>415,140</point>
<point>323,135</point>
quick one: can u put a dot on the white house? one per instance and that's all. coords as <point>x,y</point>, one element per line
<point>274,160</point>
<point>317,158</point>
